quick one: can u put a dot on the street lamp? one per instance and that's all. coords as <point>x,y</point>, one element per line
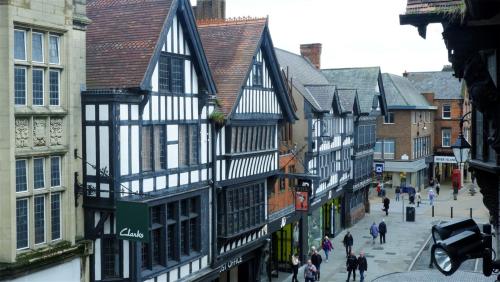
<point>461,149</point>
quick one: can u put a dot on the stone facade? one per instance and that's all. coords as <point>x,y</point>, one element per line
<point>41,130</point>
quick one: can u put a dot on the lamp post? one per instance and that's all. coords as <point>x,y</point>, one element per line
<point>461,149</point>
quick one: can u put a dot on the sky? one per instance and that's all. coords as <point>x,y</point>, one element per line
<point>354,33</point>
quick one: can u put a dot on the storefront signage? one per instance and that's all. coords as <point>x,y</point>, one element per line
<point>301,201</point>
<point>230,264</point>
<point>379,168</point>
<point>132,221</point>
<point>445,160</point>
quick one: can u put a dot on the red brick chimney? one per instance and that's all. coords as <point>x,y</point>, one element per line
<point>210,9</point>
<point>312,52</point>
<point>429,96</point>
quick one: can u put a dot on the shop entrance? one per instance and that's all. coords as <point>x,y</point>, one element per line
<point>332,217</point>
<point>284,243</point>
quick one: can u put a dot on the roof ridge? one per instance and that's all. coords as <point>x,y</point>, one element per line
<point>351,68</point>
<point>397,88</point>
<point>230,21</point>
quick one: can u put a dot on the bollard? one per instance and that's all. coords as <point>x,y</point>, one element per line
<point>451,208</point>
<point>432,211</point>
<point>470,212</point>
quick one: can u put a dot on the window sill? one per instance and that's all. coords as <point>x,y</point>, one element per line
<point>21,110</point>
<point>232,155</point>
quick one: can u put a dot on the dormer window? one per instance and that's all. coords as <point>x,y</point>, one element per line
<point>257,74</point>
<point>171,74</point>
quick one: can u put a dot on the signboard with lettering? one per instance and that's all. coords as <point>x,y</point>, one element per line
<point>379,168</point>
<point>302,194</point>
<point>445,160</point>
<point>132,221</point>
<point>230,264</point>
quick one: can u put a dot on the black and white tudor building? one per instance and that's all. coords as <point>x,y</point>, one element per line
<point>253,99</point>
<point>147,138</point>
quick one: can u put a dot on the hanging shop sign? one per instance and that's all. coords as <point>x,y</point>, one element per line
<point>132,221</point>
<point>302,192</point>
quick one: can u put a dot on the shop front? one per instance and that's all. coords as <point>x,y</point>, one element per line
<point>332,216</point>
<point>443,168</point>
<point>285,241</point>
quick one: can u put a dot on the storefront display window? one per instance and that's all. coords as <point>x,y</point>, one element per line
<point>315,228</point>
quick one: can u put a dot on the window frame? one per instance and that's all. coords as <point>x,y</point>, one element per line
<point>59,195</point>
<point>33,33</point>
<point>27,223</point>
<point>25,97</point>
<point>388,119</point>
<point>59,168</point>
<point>58,87</point>
<point>257,73</point>
<point>33,70</point>
<point>389,141</point>
<point>443,130</point>
<point>26,178</point>
<point>443,111</point>
<point>25,45</point>
<point>44,221</point>
<point>58,49</point>
<point>43,173</point>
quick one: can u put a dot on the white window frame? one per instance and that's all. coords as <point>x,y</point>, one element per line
<point>58,87</point>
<point>43,87</point>
<point>27,223</point>
<point>387,141</point>
<point>442,111</point>
<point>25,43</point>
<point>60,217</point>
<point>27,178</point>
<point>443,130</point>
<point>44,174</point>
<point>25,86</point>
<point>60,174</point>
<point>388,115</point>
<point>44,220</point>
<point>43,48</point>
<point>58,49</point>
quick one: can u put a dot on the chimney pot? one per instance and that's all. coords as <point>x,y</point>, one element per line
<point>312,52</point>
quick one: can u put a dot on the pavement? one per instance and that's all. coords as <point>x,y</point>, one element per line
<point>405,241</point>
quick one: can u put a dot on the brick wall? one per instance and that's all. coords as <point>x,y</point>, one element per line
<point>400,131</point>
<point>281,199</point>
<point>453,123</point>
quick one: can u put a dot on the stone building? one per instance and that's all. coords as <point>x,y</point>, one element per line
<point>42,53</point>
<point>405,135</point>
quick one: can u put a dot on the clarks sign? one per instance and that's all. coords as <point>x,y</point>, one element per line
<point>132,221</point>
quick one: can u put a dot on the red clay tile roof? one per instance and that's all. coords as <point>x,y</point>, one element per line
<point>230,46</point>
<point>434,6</point>
<point>121,40</point>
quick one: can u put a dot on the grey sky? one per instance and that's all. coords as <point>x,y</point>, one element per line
<point>354,33</point>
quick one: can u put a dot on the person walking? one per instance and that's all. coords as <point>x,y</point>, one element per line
<point>362,266</point>
<point>437,187</point>
<point>431,197</point>
<point>316,260</point>
<point>386,202</point>
<point>348,242</point>
<point>351,264</point>
<point>327,246</point>
<point>374,231</point>
<point>419,199</point>
<point>295,267</point>
<point>310,272</point>
<point>382,229</point>
<point>398,192</point>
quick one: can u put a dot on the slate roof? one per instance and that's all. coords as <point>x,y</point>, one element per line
<point>307,79</point>
<point>442,83</point>
<point>434,6</point>
<point>347,98</point>
<point>120,42</point>
<point>230,46</point>
<point>401,94</point>
<point>364,80</point>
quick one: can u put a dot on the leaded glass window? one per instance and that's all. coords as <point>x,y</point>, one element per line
<point>55,171</point>
<point>39,219</point>
<point>37,87</point>
<point>21,176</point>
<point>22,223</point>
<point>37,47</point>
<point>177,75</point>
<point>20,86</point>
<point>54,46</point>
<point>20,45</point>
<point>54,87</point>
<point>55,215</point>
<point>38,173</point>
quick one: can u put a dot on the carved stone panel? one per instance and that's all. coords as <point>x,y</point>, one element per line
<point>39,132</point>
<point>22,135</point>
<point>56,131</point>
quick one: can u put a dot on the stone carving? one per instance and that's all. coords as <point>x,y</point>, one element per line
<point>22,133</point>
<point>39,132</point>
<point>56,131</point>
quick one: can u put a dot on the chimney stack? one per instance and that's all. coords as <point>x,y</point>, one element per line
<point>210,9</point>
<point>312,52</point>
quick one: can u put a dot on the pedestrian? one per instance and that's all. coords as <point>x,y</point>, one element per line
<point>398,192</point>
<point>348,242</point>
<point>437,187</point>
<point>431,197</point>
<point>386,202</point>
<point>327,246</point>
<point>431,183</point>
<point>351,264</point>
<point>374,231</point>
<point>362,266</point>
<point>382,229</point>
<point>455,189</point>
<point>419,199</point>
<point>295,267</point>
<point>379,191</point>
<point>411,198</point>
<point>310,272</point>
<point>316,261</point>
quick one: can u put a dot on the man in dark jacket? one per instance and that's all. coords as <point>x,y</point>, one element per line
<point>382,229</point>
<point>362,266</point>
<point>316,259</point>
<point>386,205</point>
<point>348,242</point>
<point>351,264</point>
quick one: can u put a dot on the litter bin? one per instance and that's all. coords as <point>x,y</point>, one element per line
<point>410,214</point>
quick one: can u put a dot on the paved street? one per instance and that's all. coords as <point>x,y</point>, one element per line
<point>405,240</point>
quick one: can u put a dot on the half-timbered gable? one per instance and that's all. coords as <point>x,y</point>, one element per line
<point>147,138</point>
<point>253,99</point>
